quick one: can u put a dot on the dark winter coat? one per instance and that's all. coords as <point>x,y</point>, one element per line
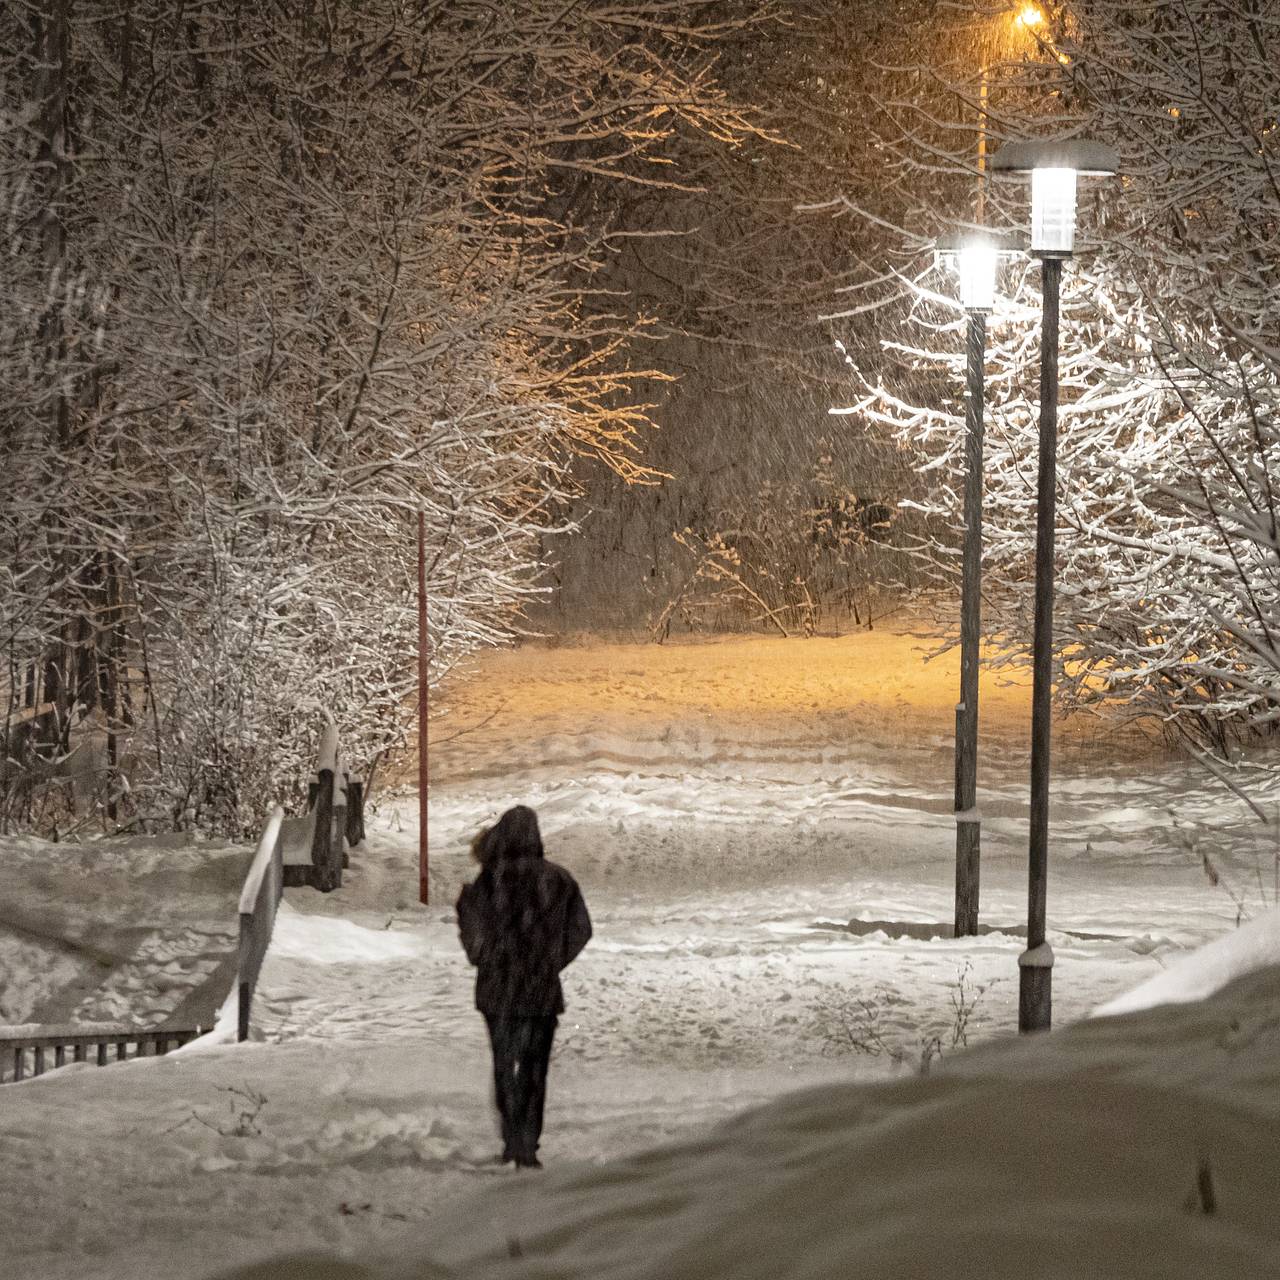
<point>522,921</point>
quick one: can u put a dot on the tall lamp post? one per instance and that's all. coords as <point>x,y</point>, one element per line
<point>974,257</point>
<point>1054,167</point>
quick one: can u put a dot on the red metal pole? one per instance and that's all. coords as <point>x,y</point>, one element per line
<point>424,893</point>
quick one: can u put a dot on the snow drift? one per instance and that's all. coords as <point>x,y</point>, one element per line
<point>1142,1145</point>
<point>1206,970</point>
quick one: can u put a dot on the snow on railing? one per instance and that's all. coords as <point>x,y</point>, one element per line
<point>259,901</point>
<point>267,854</point>
<point>327,757</point>
<point>298,851</point>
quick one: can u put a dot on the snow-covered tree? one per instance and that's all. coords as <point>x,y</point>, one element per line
<point>1167,573</point>
<point>277,279</point>
<point>754,468</point>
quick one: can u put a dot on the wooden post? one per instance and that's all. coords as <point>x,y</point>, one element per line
<point>340,858</point>
<point>39,1067</point>
<point>77,1053</point>
<point>60,1055</point>
<point>322,837</point>
<point>340,819</point>
<point>102,1053</point>
<point>19,1063</point>
<point>424,892</point>
<point>355,811</point>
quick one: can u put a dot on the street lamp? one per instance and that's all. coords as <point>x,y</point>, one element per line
<point>1024,23</point>
<point>1054,167</point>
<point>974,257</point>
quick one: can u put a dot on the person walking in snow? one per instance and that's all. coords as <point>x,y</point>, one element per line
<point>522,920</point>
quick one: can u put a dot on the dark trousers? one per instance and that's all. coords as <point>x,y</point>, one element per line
<point>521,1052</point>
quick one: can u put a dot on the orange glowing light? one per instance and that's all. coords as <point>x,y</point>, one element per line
<point>1030,15</point>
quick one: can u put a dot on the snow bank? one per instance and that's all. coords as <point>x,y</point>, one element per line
<point>122,929</point>
<point>1128,1147</point>
<point>32,969</point>
<point>1253,946</point>
<point>333,940</point>
<point>225,1030</point>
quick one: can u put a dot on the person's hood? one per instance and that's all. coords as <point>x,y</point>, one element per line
<point>515,835</point>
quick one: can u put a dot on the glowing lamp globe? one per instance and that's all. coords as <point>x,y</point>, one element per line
<point>1054,167</point>
<point>974,257</point>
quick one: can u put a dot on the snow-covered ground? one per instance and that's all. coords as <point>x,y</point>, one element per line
<point>114,930</point>
<point>763,834</point>
<point>1125,1147</point>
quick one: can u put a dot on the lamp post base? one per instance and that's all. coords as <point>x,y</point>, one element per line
<point>1035,989</point>
<point>968,871</point>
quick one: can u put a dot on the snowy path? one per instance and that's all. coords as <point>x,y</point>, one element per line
<point>721,900</point>
<point>722,851</point>
<point>723,860</point>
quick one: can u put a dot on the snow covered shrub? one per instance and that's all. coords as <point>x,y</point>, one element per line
<point>794,557</point>
<point>859,1024</point>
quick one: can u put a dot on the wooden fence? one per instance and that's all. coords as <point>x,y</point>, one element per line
<point>25,1054</point>
<point>311,850</point>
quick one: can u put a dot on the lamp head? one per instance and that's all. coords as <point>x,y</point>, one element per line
<point>1054,166</point>
<point>974,256</point>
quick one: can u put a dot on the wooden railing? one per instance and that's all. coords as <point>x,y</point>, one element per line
<point>259,901</point>
<point>23,1054</point>
<point>315,847</point>
<point>311,850</point>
